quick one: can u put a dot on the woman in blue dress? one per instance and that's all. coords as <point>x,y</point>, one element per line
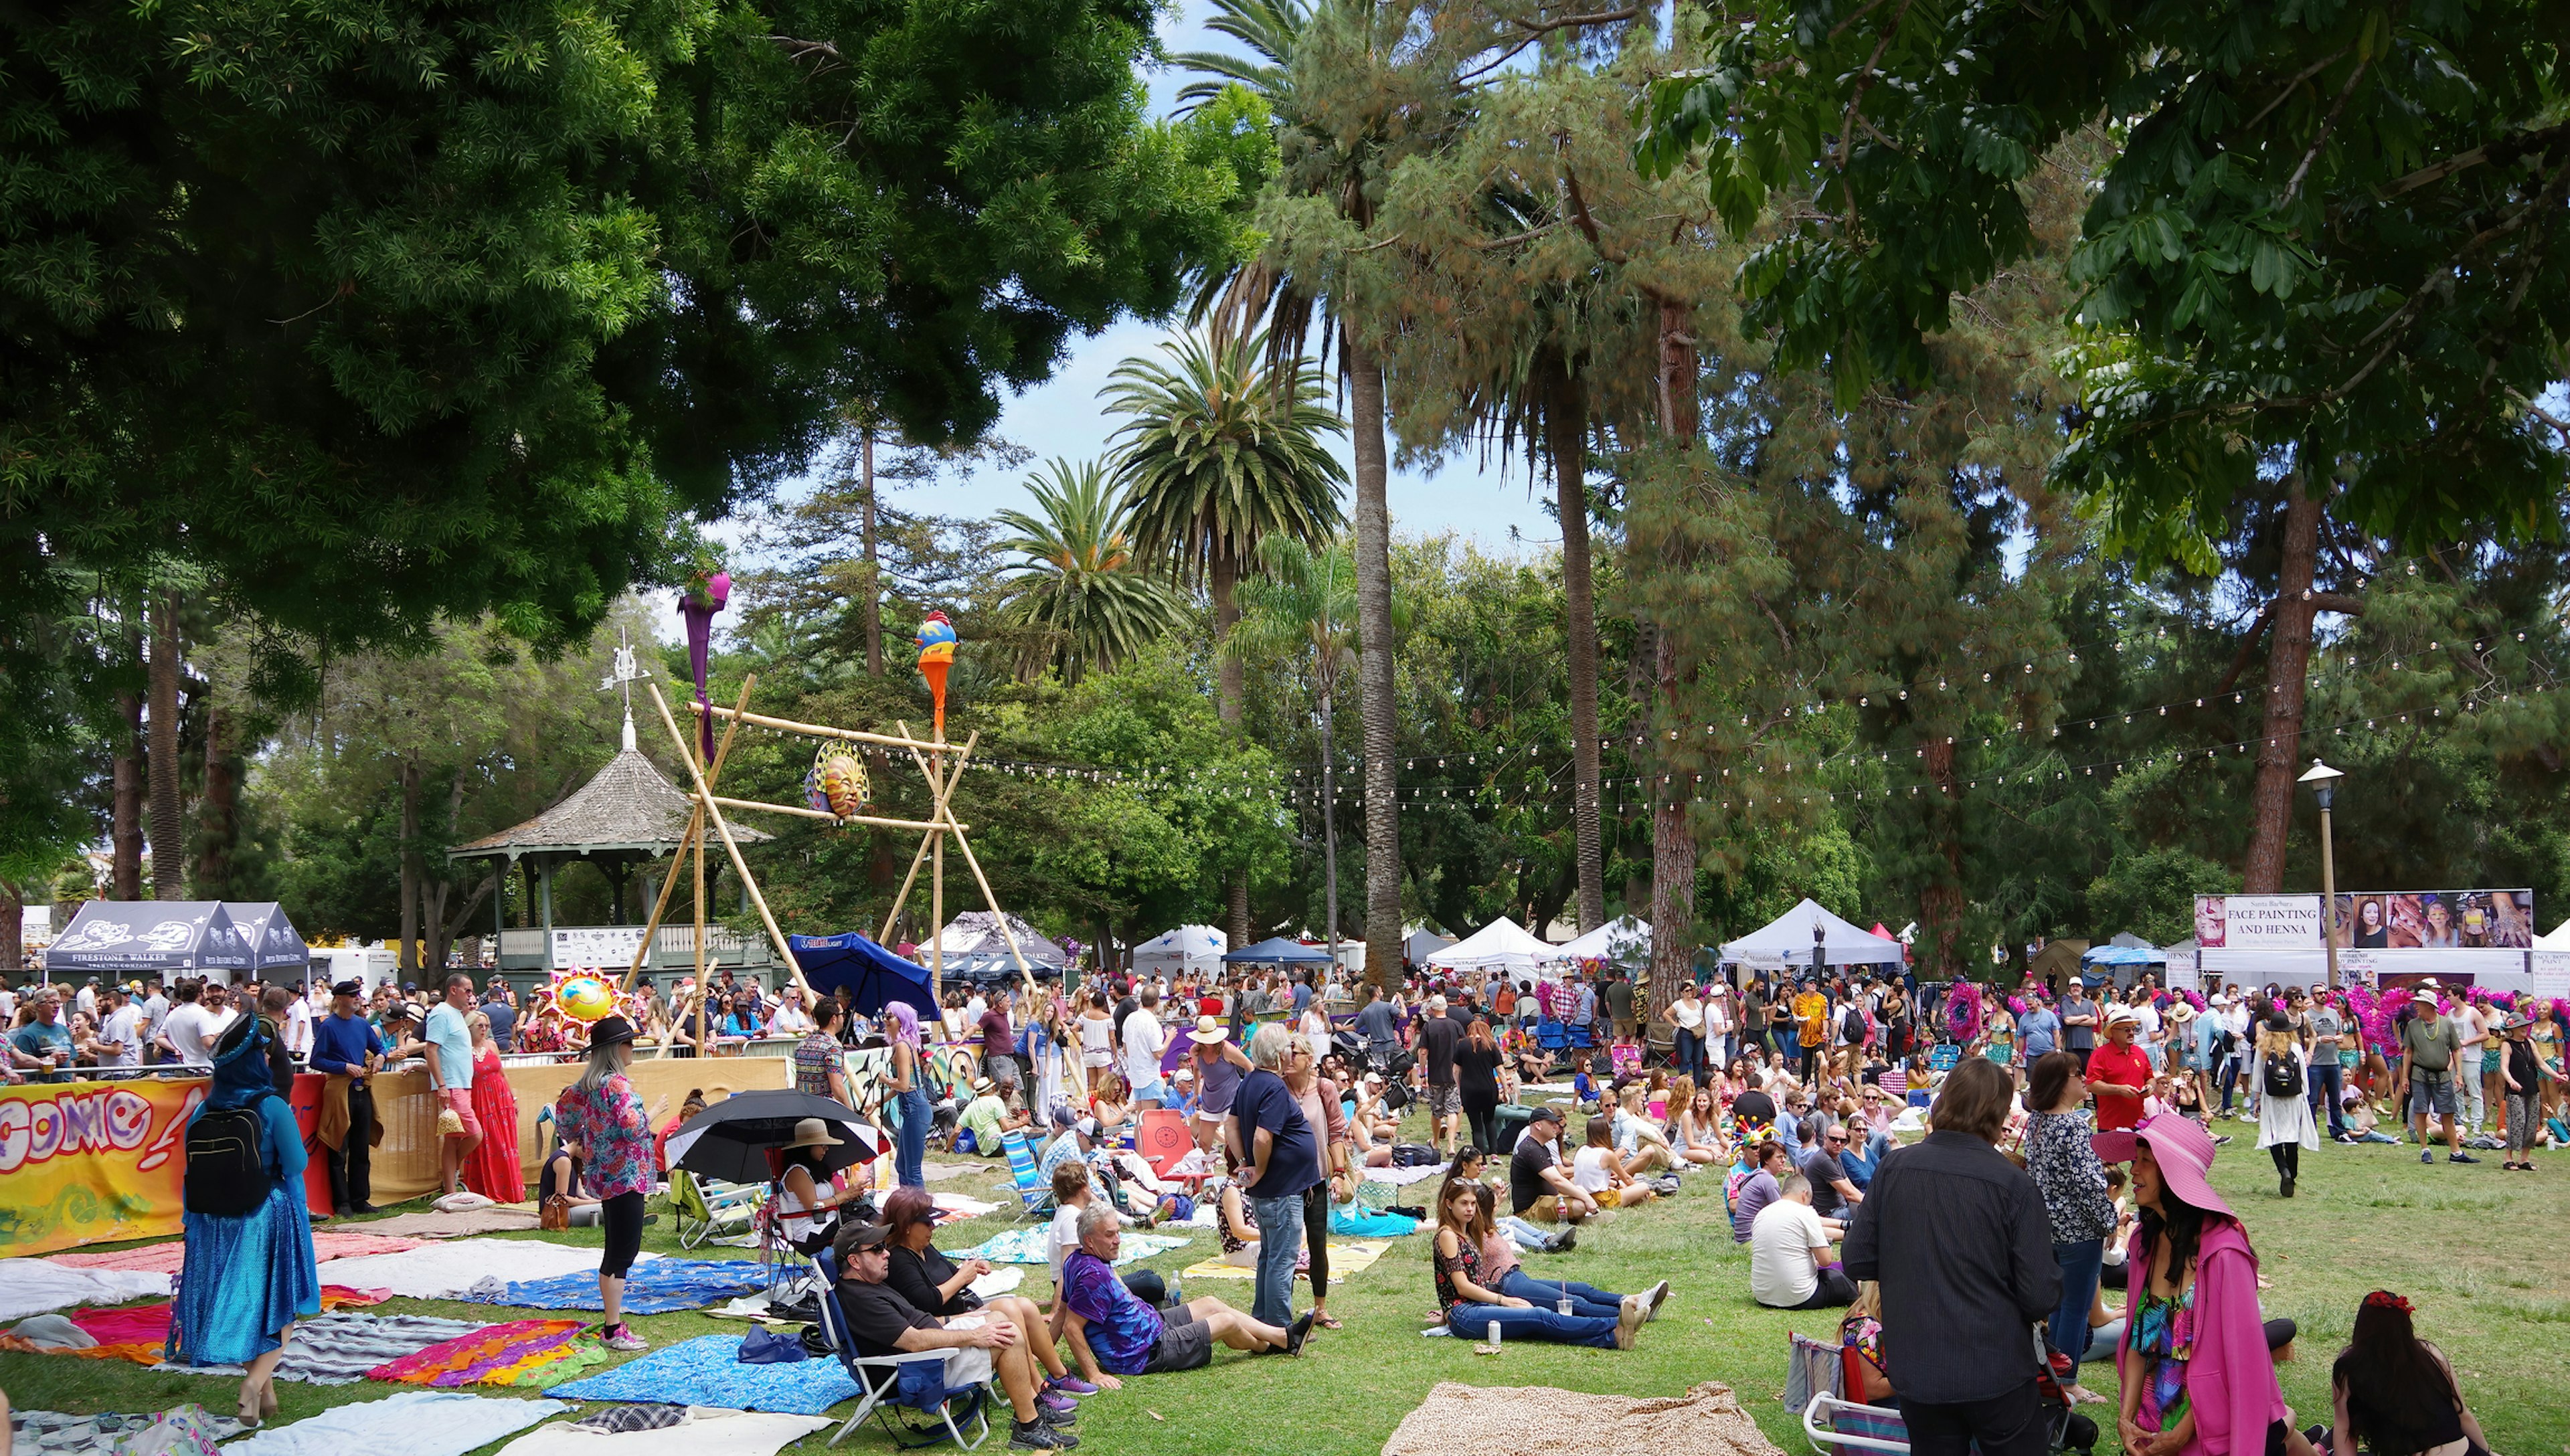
<point>249,1277</point>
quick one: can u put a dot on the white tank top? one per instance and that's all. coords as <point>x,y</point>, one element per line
<point>1096,1033</point>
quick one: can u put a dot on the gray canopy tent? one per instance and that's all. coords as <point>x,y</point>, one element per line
<point>168,938</point>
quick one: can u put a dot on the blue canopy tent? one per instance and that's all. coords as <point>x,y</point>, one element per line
<point>2124,955</point>
<point>1278,950</point>
<point>168,938</point>
<point>873,975</point>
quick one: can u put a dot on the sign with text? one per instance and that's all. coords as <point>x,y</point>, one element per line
<point>596,946</point>
<point>2257,921</point>
<point>90,1162</point>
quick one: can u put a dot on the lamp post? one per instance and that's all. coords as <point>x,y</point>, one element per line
<point>2323,782</point>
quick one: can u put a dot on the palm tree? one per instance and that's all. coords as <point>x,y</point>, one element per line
<point>1305,603</point>
<point>1344,112</point>
<point>1221,451</point>
<point>1083,586</point>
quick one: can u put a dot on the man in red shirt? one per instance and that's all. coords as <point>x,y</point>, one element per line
<point>2118,1074</point>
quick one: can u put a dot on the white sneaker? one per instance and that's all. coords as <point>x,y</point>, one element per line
<point>1652,1298</point>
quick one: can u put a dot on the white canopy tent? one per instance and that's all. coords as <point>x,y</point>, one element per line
<point>1186,950</point>
<point>1626,942</point>
<point>2559,939</point>
<point>1786,941</point>
<point>1503,945</point>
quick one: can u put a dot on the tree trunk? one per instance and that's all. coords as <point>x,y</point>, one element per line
<point>1565,428</point>
<point>874,579</point>
<point>1375,703</point>
<point>2289,657</point>
<point>1673,854</point>
<point>125,814</point>
<point>1940,903</point>
<point>169,824</point>
<point>13,925</point>
<point>1230,688</point>
<point>218,812</point>
<point>408,959</point>
<point>1329,825</point>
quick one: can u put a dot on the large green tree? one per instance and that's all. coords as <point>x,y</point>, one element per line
<point>1082,584</point>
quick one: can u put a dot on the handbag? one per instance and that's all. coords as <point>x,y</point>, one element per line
<point>554,1213</point>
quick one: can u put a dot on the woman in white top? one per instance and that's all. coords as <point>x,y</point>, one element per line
<point>1696,1135</point>
<point>1599,1171</point>
<point>1685,1018</point>
<point>2284,1122</point>
<point>1314,1025</point>
<point>1097,1040</point>
<point>805,1215</point>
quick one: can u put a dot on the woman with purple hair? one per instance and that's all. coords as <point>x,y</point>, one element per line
<point>909,1097</point>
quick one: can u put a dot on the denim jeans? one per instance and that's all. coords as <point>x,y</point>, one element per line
<point>1689,1050</point>
<point>1585,1299</point>
<point>1473,1321</point>
<point>1280,1239</point>
<point>2079,1263</point>
<point>1524,1235</point>
<point>2325,1075</point>
<point>910,1151</point>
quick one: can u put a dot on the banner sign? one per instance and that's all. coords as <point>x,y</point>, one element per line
<point>2549,974</point>
<point>2257,921</point>
<point>2437,919</point>
<point>92,1162</point>
<point>593,946</point>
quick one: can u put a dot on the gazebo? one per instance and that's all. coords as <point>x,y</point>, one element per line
<point>626,814</point>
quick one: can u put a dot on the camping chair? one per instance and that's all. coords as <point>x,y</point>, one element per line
<point>1035,1190</point>
<point>914,1383</point>
<point>710,1209</point>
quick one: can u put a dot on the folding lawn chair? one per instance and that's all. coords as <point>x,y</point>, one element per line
<point>913,1383</point>
<point>707,1209</point>
<point>1035,1190</point>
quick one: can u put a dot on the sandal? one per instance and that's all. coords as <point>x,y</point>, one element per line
<point>1323,1321</point>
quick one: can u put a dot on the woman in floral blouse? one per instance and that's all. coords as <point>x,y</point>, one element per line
<point>601,1118</point>
<point>2073,1183</point>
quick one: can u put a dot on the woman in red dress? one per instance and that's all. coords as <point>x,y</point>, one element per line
<point>491,1170</point>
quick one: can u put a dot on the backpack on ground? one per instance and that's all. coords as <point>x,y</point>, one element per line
<point>227,1161</point>
<point>2282,1076</point>
<point>1415,1155</point>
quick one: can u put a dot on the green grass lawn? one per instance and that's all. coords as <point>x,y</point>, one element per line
<point>2479,1251</point>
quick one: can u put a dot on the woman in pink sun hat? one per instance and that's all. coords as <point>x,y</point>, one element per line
<point>2196,1373</point>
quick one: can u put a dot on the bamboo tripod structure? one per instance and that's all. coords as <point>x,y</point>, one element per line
<point>941,763</point>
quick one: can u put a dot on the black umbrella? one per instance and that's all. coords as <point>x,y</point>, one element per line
<point>730,1139</point>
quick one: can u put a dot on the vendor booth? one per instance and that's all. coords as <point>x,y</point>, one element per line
<point>1500,945</point>
<point>977,951</point>
<point>277,954</point>
<point>1278,950</point>
<point>874,977</point>
<point>1784,942</point>
<point>1186,950</point>
<point>1625,942</point>
<point>1421,943</point>
<point>167,938</point>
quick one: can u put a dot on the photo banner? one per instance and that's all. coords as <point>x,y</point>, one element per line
<point>2437,919</point>
<point>2257,921</point>
<point>92,1162</point>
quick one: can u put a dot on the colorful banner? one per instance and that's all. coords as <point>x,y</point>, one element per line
<point>2437,919</point>
<point>92,1162</point>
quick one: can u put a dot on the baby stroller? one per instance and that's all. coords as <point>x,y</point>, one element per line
<point>1838,1426</point>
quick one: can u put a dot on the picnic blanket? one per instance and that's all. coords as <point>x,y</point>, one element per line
<point>1345,1260</point>
<point>520,1353</point>
<point>34,1286</point>
<point>707,1371</point>
<point>656,1287</point>
<point>55,1433</point>
<point>410,1423</point>
<point>165,1259</point>
<point>1026,1246</point>
<point>463,1223</point>
<point>445,1271</point>
<point>1372,1223</point>
<point>955,1206</point>
<point>338,1349</point>
<point>1535,1420</point>
<point>703,1433</point>
<point>1403,1177</point>
<point>137,1333</point>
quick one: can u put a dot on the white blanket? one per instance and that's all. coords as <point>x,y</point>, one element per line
<point>443,1271</point>
<point>412,1424</point>
<point>34,1286</point>
<point>703,1433</point>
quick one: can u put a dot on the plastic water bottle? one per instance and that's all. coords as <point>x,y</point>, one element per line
<point>1562,1305</point>
<point>1496,1332</point>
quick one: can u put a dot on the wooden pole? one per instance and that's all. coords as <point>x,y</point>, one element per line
<point>700,944</point>
<point>816,730</point>
<point>733,848</point>
<point>992,901</point>
<point>826,816</point>
<point>696,837</point>
<point>941,791</point>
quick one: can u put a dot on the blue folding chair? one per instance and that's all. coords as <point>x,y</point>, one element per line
<point>914,1383</point>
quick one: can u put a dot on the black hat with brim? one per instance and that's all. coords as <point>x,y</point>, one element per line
<point>611,1031</point>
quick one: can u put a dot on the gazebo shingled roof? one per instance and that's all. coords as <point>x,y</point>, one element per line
<point>628,806</point>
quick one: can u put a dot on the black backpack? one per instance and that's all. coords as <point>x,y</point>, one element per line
<point>1852,1026</point>
<point>227,1161</point>
<point>2282,1076</point>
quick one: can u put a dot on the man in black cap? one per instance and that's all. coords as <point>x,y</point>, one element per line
<point>346,1050</point>
<point>1539,1187</point>
<point>881,1323</point>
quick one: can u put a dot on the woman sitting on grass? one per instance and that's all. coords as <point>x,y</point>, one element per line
<point>1604,1175</point>
<point>1472,1306</point>
<point>1499,1245</point>
<point>1644,1146</point>
<point>2396,1393</point>
<point>1696,1135</point>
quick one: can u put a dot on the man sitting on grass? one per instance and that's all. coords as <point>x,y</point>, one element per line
<point>882,1323</point>
<point>1112,1332</point>
<point>988,1118</point>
